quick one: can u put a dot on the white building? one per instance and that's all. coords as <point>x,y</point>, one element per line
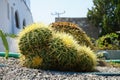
<point>14,15</point>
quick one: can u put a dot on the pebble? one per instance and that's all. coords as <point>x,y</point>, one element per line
<point>13,71</point>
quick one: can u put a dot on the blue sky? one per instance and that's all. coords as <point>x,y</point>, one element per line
<point>42,9</point>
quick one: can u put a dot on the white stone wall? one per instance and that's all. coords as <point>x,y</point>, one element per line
<point>13,45</point>
<point>4,22</point>
<point>7,23</point>
<point>7,19</point>
<point>27,2</point>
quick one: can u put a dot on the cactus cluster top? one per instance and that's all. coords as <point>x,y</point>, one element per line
<point>75,31</point>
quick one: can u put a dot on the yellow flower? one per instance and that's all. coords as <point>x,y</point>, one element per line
<point>36,61</point>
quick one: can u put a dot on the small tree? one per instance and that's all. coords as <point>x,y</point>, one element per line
<point>106,15</point>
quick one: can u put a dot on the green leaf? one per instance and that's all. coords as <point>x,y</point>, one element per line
<point>5,43</point>
<point>11,35</point>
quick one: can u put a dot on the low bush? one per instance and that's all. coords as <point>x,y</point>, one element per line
<point>109,42</point>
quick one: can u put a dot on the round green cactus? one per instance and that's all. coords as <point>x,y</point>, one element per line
<point>74,30</point>
<point>65,54</point>
<point>60,57</point>
<point>34,39</point>
<point>33,42</point>
<point>86,59</point>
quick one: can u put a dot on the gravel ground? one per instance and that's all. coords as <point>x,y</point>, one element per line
<point>13,71</point>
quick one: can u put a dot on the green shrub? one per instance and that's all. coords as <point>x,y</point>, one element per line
<point>74,30</point>
<point>109,42</point>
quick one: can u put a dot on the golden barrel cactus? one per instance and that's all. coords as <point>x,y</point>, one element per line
<point>74,30</point>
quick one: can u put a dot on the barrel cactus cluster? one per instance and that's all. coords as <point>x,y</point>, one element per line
<point>45,48</point>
